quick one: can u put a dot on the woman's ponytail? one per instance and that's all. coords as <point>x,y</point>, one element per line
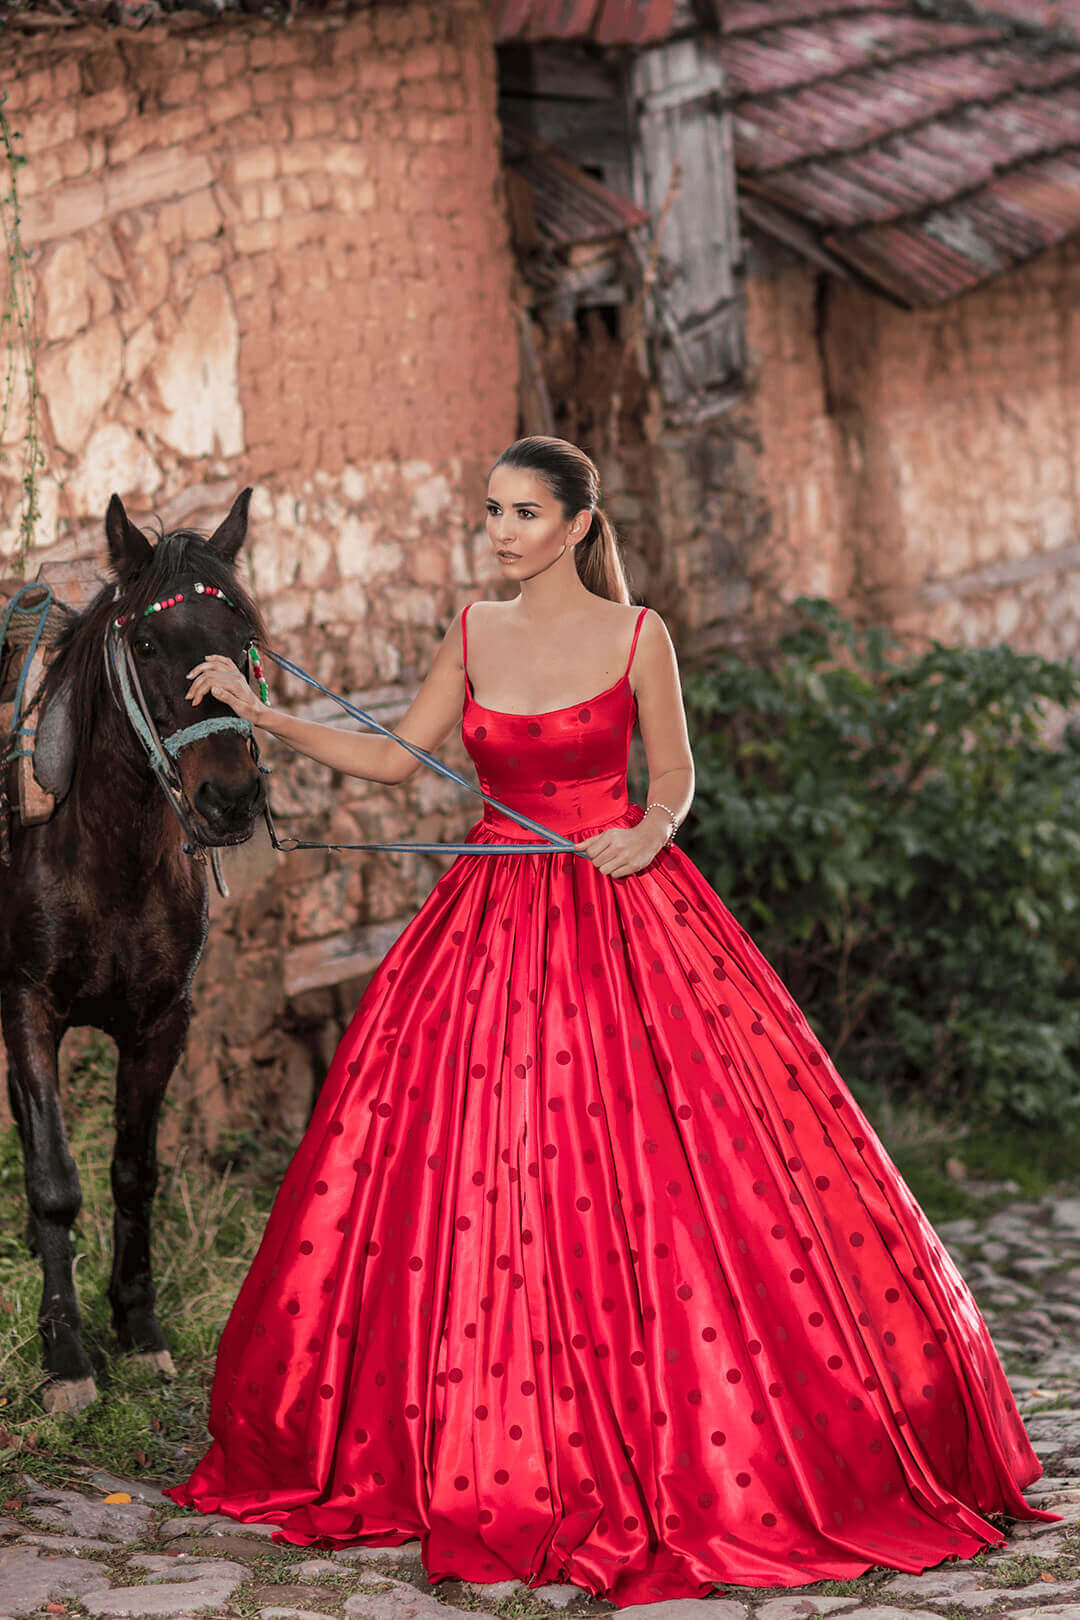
<point>599,560</point>
<point>572,476</point>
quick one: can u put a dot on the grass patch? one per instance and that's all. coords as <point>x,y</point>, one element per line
<point>1038,1161</point>
<point>1067,1398</point>
<point>1018,1571</point>
<point>208,1218</point>
<point>860,1586</point>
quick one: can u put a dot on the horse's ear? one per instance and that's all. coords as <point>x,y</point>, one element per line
<point>129,549</point>
<point>229,536</point>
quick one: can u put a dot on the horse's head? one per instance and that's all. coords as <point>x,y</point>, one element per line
<point>177,601</point>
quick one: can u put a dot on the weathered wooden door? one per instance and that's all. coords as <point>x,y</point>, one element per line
<point>684,173</point>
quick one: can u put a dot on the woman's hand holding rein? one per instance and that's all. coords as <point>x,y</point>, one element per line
<point>218,677</point>
<point>373,758</point>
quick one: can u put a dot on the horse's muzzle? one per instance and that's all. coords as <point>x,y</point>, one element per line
<point>227,811</point>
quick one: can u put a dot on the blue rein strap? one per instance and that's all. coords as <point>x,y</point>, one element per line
<point>161,753</point>
<point>552,840</point>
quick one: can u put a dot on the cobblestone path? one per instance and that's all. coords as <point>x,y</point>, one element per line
<point>75,1552</point>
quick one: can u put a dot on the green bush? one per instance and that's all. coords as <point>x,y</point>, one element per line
<point>902,840</point>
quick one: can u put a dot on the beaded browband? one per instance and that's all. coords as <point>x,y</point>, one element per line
<point>210,590</point>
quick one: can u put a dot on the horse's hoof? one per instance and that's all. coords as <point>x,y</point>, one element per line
<point>69,1394</point>
<point>158,1360</point>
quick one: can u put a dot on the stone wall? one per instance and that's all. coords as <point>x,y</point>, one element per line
<point>923,466</point>
<point>277,255</point>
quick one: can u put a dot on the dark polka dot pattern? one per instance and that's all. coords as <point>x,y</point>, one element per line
<point>588,1266</point>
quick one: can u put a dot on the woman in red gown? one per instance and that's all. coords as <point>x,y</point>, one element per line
<point>588,1266</point>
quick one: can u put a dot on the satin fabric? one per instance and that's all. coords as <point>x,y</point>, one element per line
<point>589,1267</point>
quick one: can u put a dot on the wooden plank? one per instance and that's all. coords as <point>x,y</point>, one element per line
<point>592,134</point>
<point>76,581</point>
<point>535,401</point>
<point>561,72</point>
<point>791,232</point>
<point>523,226</point>
<point>683,129</point>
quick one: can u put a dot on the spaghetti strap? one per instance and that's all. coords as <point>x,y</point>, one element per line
<point>465,645</point>
<point>633,644</point>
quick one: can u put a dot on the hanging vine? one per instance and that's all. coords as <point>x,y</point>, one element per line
<point>18,341</point>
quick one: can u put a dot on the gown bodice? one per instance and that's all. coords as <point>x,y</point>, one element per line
<point>564,767</point>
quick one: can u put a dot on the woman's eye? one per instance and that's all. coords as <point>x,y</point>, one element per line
<point>525,514</point>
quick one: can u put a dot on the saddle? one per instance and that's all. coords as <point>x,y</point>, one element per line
<point>40,774</point>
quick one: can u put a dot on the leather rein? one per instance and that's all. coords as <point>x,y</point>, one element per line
<point>161,753</point>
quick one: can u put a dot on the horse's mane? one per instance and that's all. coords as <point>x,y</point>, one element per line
<point>80,652</point>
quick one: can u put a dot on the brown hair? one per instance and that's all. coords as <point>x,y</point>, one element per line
<point>572,477</point>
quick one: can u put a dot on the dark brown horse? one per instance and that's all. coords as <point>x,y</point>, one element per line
<point>103,909</point>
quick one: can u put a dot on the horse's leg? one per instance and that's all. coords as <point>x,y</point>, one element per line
<point>32,1036</point>
<point>147,1060</point>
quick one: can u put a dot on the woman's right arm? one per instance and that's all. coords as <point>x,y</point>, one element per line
<point>432,715</point>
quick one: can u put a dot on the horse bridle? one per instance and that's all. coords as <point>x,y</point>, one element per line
<point>161,752</point>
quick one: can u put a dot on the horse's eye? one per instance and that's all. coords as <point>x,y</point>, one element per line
<point>145,647</point>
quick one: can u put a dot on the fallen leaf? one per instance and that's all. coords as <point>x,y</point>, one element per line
<point>1045,1575</point>
<point>55,1608</point>
<point>118,1496</point>
<point>13,1505</point>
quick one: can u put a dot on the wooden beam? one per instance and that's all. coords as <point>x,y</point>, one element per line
<point>793,233</point>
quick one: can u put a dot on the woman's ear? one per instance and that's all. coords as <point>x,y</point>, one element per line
<point>580,524</point>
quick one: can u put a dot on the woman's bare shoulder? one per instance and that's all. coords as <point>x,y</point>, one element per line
<point>486,607</point>
<point>616,615</point>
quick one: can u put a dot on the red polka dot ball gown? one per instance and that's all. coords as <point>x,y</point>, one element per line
<point>588,1266</point>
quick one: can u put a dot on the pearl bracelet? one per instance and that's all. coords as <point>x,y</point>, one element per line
<point>654,804</point>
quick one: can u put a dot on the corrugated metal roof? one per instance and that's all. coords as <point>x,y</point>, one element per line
<point>926,153</point>
<point>782,57</point>
<point>606,22</point>
<point>569,206</point>
<point>1045,13</point>
<point>840,115</point>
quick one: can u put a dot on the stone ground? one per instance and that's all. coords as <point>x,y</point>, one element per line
<point>75,1552</point>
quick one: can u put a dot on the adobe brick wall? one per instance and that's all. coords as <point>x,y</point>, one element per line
<point>923,466</point>
<point>278,255</point>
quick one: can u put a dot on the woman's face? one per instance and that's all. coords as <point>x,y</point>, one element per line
<point>525,522</point>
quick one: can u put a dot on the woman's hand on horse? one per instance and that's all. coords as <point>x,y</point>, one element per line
<point>219,677</point>
<point>620,851</point>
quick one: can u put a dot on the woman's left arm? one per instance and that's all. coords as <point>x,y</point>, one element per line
<point>619,851</point>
